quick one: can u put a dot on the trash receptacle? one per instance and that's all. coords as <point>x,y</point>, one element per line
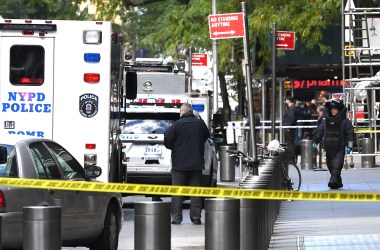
<point>306,155</point>
<point>368,147</point>
<point>227,163</point>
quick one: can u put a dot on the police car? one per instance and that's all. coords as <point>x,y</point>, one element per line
<point>146,158</point>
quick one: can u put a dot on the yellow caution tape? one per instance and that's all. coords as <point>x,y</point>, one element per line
<point>365,131</point>
<point>167,190</point>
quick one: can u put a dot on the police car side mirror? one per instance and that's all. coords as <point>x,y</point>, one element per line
<point>131,84</point>
<point>93,172</point>
<point>3,155</point>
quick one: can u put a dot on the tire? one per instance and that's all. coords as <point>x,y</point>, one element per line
<point>294,176</point>
<point>109,238</point>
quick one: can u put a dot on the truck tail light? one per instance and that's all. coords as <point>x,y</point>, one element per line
<point>90,146</point>
<point>91,77</point>
<point>92,37</point>
<point>90,159</point>
<point>2,200</point>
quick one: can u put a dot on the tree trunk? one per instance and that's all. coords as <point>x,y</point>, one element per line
<point>226,111</point>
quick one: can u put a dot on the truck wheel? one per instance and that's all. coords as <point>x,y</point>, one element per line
<point>109,238</point>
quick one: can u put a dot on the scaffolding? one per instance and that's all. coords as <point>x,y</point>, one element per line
<point>361,73</point>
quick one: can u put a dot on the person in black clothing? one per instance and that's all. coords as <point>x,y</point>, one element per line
<point>186,139</point>
<point>325,98</point>
<point>290,119</point>
<point>338,134</point>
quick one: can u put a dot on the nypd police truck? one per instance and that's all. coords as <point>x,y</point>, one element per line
<point>161,90</point>
<point>62,80</point>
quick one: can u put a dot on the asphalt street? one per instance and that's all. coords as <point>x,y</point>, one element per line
<point>183,236</point>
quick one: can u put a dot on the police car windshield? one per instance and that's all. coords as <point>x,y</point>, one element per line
<point>146,126</point>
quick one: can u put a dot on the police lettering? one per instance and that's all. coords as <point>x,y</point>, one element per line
<point>26,102</point>
<point>89,96</point>
<point>26,96</point>
<point>26,107</point>
<point>30,133</point>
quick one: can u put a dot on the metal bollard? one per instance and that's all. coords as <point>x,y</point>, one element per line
<point>250,216</point>
<point>227,163</point>
<point>42,228</point>
<point>152,225</point>
<point>368,147</point>
<point>222,227</point>
<point>306,155</point>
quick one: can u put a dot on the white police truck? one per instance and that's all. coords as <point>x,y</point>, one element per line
<point>62,80</point>
<point>161,90</point>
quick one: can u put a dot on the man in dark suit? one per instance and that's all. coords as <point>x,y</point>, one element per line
<point>186,138</point>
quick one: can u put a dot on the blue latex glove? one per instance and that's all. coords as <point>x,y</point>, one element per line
<point>348,150</point>
<point>314,146</point>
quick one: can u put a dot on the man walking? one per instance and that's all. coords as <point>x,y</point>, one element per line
<point>186,139</point>
<point>290,119</point>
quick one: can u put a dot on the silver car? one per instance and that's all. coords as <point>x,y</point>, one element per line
<point>148,161</point>
<point>90,219</point>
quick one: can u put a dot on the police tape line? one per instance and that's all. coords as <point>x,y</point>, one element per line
<point>366,131</point>
<point>166,190</point>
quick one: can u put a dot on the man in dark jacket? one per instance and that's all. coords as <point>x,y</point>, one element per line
<point>186,139</point>
<point>338,134</point>
<point>290,119</point>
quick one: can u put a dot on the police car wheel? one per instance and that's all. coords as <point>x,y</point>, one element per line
<point>108,239</point>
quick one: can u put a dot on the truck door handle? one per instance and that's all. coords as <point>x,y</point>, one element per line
<point>152,137</point>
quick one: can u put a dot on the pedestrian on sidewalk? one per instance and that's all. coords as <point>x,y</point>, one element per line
<point>338,134</point>
<point>186,139</point>
<point>290,119</point>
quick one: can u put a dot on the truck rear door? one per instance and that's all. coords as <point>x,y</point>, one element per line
<point>26,87</point>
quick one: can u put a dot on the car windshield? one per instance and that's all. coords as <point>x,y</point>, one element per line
<point>146,126</point>
<point>9,150</point>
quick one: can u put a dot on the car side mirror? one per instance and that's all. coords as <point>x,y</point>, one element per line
<point>93,172</point>
<point>3,155</point>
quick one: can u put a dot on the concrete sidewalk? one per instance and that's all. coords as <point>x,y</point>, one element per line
<point>330,225</point>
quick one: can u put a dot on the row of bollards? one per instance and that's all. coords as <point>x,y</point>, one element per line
<point>243,224</point>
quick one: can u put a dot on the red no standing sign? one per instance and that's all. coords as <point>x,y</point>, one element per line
<point>199,59</point>
<point>285,40</point>
<point>226,25</point>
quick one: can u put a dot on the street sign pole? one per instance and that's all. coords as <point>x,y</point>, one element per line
<point>253,152</point>
<point>215,65</point>
<point>274,37</point>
